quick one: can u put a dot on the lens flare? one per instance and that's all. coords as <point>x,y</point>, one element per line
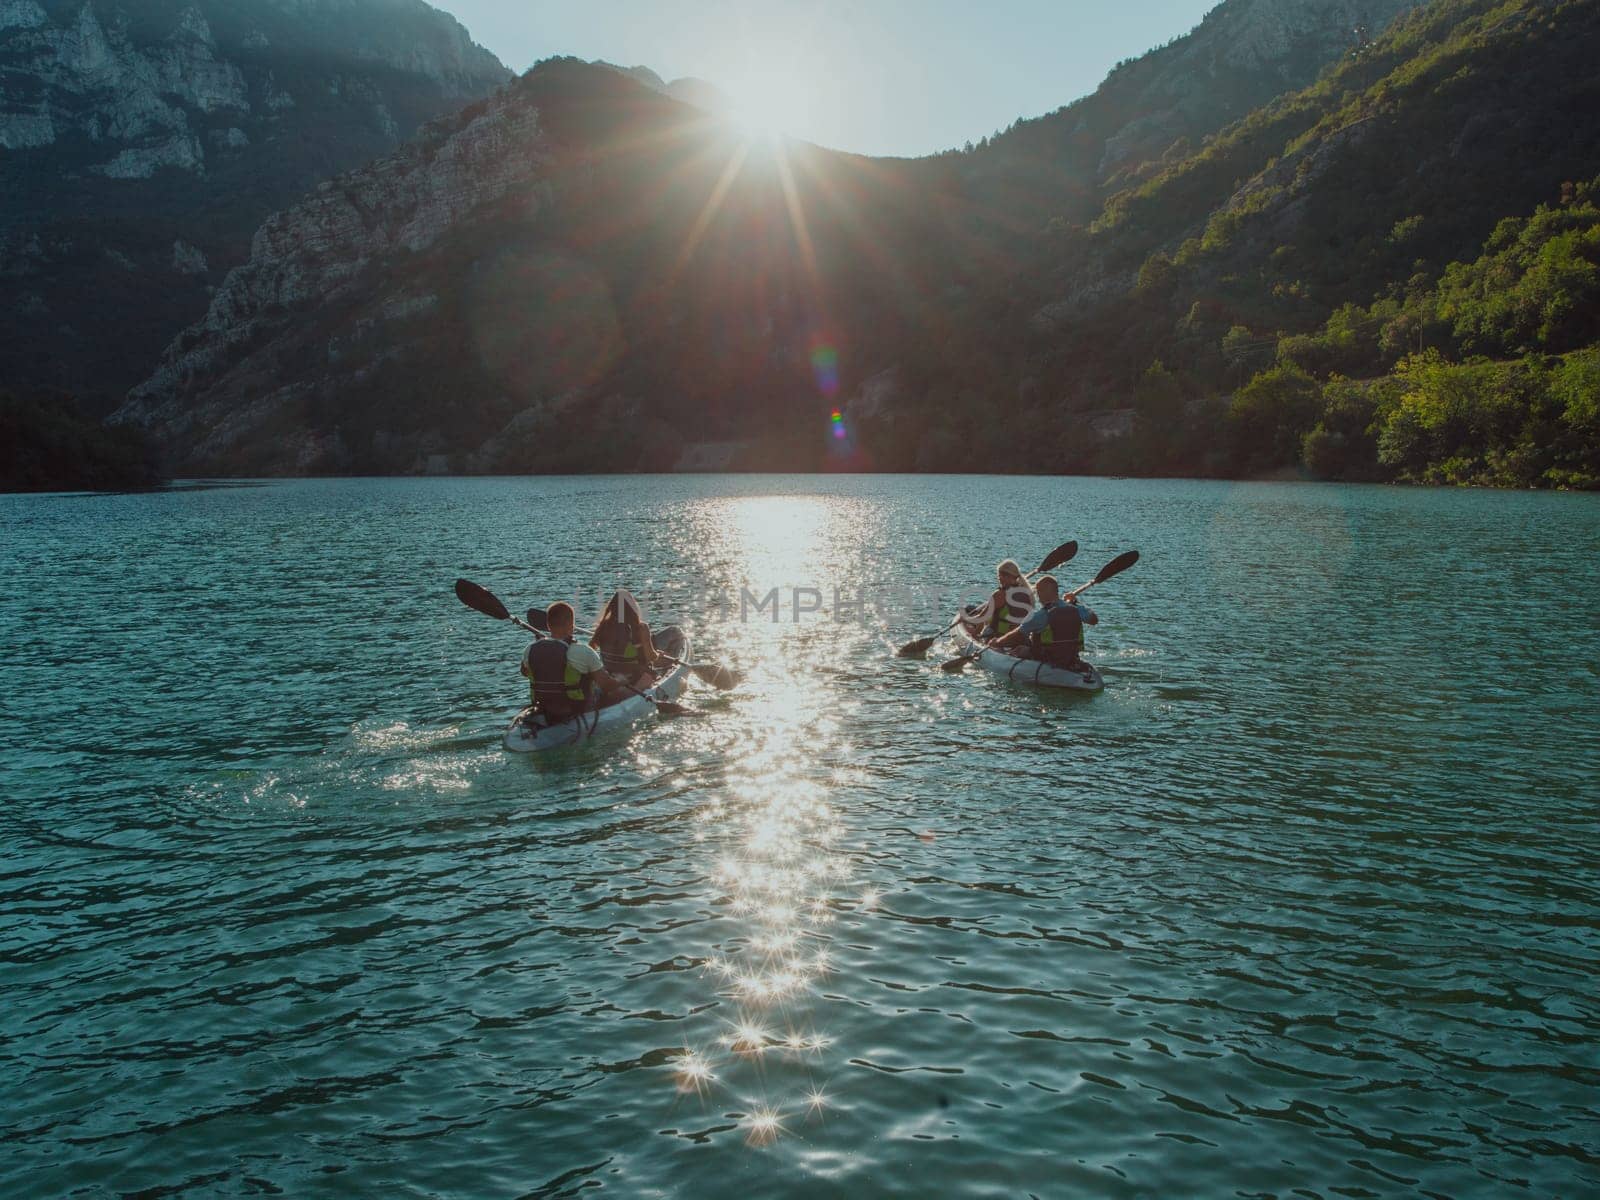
<point>825,369</point>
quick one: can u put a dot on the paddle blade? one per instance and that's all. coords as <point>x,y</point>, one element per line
<point>1117,565</point>
<point>718,676</point>
<point>956,664</point>
<point>1063,553</point>
<point>538,619</point>
<point>481,599</point>
<point>917,648</point>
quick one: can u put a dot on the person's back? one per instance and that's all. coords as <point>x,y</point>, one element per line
<point>623,638</point>
<point>562,676</point>
<point>556,687</point>
<point>1060,642</point>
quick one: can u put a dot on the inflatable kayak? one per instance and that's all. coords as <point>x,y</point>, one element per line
<point>1028,670</point>
<point>530,732</point>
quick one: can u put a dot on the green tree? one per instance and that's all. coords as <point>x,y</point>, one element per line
<point>1270,416</point>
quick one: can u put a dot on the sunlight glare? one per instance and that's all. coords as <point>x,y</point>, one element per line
<point>765,1124</point>
<point>767,104</point>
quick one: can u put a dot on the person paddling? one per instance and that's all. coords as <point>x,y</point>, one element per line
<point>623,639</point>
<point>1053,632</point>
<point>1008,607</point>
<point>563,678</point>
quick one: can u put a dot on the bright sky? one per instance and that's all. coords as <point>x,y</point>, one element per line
<point>897,77</point>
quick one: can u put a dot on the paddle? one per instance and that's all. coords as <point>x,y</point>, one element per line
<point>717,675</point>
<point>486,602</point>
<point>1061,554</point>
<point>1116,566</point>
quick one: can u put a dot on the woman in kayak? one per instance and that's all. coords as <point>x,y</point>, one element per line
<point>1007,608</point>
<point>1053,632</point>
<point>623,639</point>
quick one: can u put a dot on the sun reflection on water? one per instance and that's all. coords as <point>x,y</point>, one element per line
<point>771,835</point>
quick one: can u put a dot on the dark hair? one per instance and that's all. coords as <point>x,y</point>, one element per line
<point>559,613</point>
<point>612,615</point>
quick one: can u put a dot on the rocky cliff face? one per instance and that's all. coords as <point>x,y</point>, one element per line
<point>575,274</point>
<point>324,252</point>
<point>141,141</point>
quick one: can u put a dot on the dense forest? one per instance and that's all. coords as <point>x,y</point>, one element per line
<point>1393,274</point>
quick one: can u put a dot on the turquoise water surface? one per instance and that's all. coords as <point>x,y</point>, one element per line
<point>1305,904</point>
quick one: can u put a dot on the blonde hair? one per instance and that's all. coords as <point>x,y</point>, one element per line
<point>1008,566</point>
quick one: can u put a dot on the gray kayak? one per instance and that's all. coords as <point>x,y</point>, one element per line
<point>530,732</point>
<point>1029,670</point>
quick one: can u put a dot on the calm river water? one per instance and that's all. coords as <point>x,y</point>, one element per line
<point>1305,904</point>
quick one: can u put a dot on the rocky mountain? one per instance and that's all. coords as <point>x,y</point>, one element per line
<point>1156,109</point>
<point>1359,191</point>
<point>578,272</point>
<point>699,92</point>
<point>583,274</point>
<point>584,255</point>
<point>143,141</point>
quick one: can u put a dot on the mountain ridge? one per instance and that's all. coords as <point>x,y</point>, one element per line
<point>142,142</point>
<point>648,280</point>
<point>203,375</point>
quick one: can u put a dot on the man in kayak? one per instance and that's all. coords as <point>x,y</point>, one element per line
<point>562,677</point>
<point>623,639</point>
<point>1053,632</point>
<point>1007,608</point>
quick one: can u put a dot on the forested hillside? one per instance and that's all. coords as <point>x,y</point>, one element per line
<point>1383,227</point>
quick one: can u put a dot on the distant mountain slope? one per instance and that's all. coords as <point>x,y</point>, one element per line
<point>1162,106</point>
<point>893,262</point>
<point>577,274</point>
<point>142,141</point>
<point>1400,160</point>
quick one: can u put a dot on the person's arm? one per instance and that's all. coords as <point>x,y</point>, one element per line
<point>608,683</point>
<point>1032,623</point>
<point>585,660</point>
<point>647,647</point>
<point>1086,613</point>
<point>976,620</point>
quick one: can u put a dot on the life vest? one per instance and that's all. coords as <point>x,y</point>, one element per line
<point>620,650</point>
<point>1060,642</point>
<point>1009,607</point>
<point>554,687</point>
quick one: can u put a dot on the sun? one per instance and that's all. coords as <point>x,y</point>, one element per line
<point>760,121</point>
<point>767,106</point>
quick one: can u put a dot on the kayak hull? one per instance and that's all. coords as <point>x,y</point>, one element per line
<point>1030,671</point>
<point>528,732</point>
